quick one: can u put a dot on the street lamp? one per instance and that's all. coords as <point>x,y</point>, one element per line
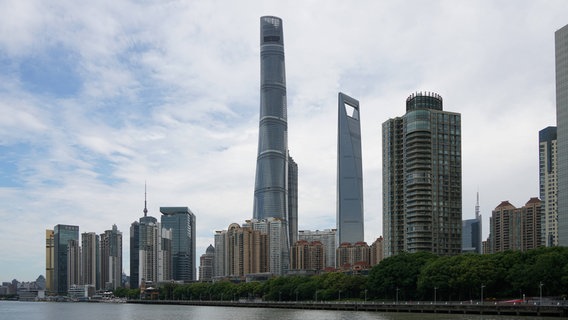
<point>397,289</point>
<point>296,295</point>
<point>316,296</point>
<point>339,295</point>
<point>280,296</point>
<point>540,289</point>
<point>435,289</point>
<point>365,295</point>
<point>482,286</point>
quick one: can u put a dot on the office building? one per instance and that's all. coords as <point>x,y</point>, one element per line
<point>548,185</point>
<point>181,221</point>
<point>471,232</point>
<point>49,261</point>
<point>90,260</point>
<point>207,264</point>
<point>134,255</point>
<point>271,183</point>
<point>561,54</point>
<point>422,187</point>
<point>293,199</point>
<point>514,228</point>
<point>62,235</point>
<point>349,217</point>
<point>327,237</point>
<point>111,259</point>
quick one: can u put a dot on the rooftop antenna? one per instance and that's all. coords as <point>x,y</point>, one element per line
<point>145,207</point>
<point>477,207</point>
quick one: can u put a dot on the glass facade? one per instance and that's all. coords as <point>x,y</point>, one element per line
<point>271,183</point>
<point>181,221</point>
<point>62,235</point>
<point>422,179</point>
<point>349,173</point>
<point>561,50</point>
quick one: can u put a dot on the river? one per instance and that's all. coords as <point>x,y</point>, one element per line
<point>15,310</point>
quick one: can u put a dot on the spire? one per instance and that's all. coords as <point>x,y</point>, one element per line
<point>145,207</point>
<point>477,207</point>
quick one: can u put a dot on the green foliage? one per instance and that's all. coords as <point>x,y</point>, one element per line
<point>416,276</point>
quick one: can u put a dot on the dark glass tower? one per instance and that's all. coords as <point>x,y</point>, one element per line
<point>349,172</point>
<point>271,184</point>
<point>182,223</point>
<point>62,235</point>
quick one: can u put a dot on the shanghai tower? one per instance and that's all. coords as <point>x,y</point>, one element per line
<point>271,183</point>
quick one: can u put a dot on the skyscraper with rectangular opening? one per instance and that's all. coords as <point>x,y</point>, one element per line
<point>349,173</point>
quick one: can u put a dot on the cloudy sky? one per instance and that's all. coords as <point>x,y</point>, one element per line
<point>97,99</point>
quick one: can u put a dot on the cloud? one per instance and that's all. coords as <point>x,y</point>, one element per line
<point>96,102</point>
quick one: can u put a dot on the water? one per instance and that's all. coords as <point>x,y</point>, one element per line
<point>15,310</point>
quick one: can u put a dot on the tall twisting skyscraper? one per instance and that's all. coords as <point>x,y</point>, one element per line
<point>271,184</point>
<point>561,45</point>
<point>422,197</point>
<point>349,172</point>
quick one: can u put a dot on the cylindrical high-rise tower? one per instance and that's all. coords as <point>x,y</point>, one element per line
<point>271,185</point>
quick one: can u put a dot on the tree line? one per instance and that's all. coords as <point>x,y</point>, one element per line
<point>406,276</point>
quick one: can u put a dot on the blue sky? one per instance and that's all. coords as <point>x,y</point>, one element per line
<point>97,100</point>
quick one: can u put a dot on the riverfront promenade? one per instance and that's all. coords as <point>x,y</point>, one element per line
<point>488,308</point>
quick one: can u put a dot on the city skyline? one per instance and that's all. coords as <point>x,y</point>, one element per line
<point>170,95</point>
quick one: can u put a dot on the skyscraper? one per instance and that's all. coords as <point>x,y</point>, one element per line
<point>90,259</point>
<point>62,235</point>
<point>111,259</point>
<point>49,260</point>
<point>292,200</point>
<point>471,232</point>
<point>134,255</point>
<point>271,183</point>
<point>422,194</point>
<point>515,228</point>
<point>349,173</point>
<point>182,223</point>
<point>548,185</point>
<point>561,54</point>
<point>207,264</point>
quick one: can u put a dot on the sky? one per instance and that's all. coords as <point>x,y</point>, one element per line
<point>98,99</point>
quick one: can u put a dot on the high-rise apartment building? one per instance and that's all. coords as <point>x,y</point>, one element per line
<point>73,264</point>
<point>356,256</point>
<point>515,228</point>
<point>62,235</point>
<point>422,188</point>
<point>240,251</point>
<point>49,260</point>
<point>278,253</point>
<point>349,218</point>
<point>377,252</point>
<point>548,185</point>
<point>307,256</point>
<point>90,260</point>
<point>561,54</point>
<point>181,221</point>
<point>327,237</point>
<point>111,259</point>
